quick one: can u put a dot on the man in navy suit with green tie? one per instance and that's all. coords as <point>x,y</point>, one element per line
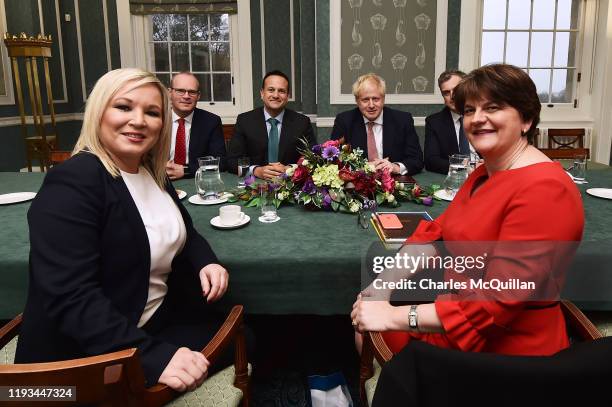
<point>270,135</point>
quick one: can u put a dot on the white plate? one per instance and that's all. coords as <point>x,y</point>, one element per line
<point>216,222</point>
<point>181,194</point>
<point>443,194</point>
<point>196,200</point>
<point>605,193</point>
<point>15,197</point>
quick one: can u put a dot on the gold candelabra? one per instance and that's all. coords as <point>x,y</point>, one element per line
<point>30,48</point>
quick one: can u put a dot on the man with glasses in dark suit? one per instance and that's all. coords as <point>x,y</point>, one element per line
<point>444,135</point>
<point>270,135</point>
<point>195,132</point>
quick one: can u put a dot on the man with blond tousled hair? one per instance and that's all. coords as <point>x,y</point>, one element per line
<point>387,136</point>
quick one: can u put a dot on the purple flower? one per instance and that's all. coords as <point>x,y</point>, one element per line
<point>369,204</point>
<point>330,152</point>
<point>273,187</point>
<point>327,200</point>
<point>316,149</point>
<point>428,201</point>
<point>309,187</point>
<point>248,181</point>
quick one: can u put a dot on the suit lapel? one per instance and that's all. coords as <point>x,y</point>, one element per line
<point>452,140</point>
<point>286,137</point>
<point>261,132</point>
<point>141,241</point>
<point>194,141</point>
<point>389,130</point>
<point>360,138</point>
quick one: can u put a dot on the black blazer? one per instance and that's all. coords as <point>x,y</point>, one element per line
<point>206,138</point>
<point>400,141</point>
<point>89,269</point>
<point>250,138</point>
<point>440,141</point>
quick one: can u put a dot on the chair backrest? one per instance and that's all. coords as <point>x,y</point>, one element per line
<point>566,138</point>
<point>117,379</point>
<point>579,329</point>
<point>110,379</point>
<point>228,132</point>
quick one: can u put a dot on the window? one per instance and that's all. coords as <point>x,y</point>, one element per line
<point>6,83</point>
<point>199,43</point>
<point>540,36</point>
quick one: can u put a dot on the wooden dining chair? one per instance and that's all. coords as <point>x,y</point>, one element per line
<point>228,132</point>
<point>565,143</point>
<point>117,379</point>
<point>375,352</point>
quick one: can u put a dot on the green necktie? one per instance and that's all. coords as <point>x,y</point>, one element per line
<point>273,141</point>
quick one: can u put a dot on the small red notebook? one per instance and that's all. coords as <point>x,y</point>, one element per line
<point>410,221</point>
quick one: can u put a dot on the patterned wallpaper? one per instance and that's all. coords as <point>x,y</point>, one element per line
<point>394,38</point>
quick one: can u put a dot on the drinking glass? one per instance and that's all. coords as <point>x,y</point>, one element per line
<point>266,200</point>
<point>243,169</point>
<point>579,169</point>
<point>457,173</point>
<point>365,213</point>
<point>208,179</point>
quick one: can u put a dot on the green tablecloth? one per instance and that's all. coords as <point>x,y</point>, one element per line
<point>307,263</point>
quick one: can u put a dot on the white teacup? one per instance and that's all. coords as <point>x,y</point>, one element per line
<point>230,215</point>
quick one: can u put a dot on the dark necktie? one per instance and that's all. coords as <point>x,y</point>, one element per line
<point>179,147</point>
<point>273,141</point>
<point>464,146</point>
<point>372,150</point>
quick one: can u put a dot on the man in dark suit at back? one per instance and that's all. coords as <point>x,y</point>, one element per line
<point>444,135</point>
<point>270,135</point>
<point>386,135</point>
<point>195,132</point>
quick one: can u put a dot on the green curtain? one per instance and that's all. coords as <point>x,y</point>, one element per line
<point>143,7</point>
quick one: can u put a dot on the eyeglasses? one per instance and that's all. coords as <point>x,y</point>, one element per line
<point>181,92</point>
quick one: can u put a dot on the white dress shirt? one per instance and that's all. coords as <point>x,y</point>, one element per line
<point>166,233</point>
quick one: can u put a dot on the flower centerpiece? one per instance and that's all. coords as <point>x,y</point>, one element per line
<point>333,176</point>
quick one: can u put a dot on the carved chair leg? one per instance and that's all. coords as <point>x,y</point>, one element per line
<point>241,367</point>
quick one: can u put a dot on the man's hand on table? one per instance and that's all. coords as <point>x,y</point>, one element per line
<point>270,171</point>
<point>384,163</point>
<point>174,171</point>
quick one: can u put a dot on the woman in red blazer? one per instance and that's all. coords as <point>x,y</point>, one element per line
<point>105,274</point>
<point>518,199</point>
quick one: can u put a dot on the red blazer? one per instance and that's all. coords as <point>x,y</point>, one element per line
<point>538,202</point>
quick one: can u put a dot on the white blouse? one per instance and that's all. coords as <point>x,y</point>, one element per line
<point>165,230</point>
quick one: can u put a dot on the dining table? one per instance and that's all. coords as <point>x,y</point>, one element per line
<point>309,261</point>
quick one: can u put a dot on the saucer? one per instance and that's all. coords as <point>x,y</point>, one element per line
<point>216,222</point>
<point>196,200</point>
<point>264,220</point>
<point>16,197</point>
<point>181,194</point>
<point>605,193</point>
<point>443,194</point>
